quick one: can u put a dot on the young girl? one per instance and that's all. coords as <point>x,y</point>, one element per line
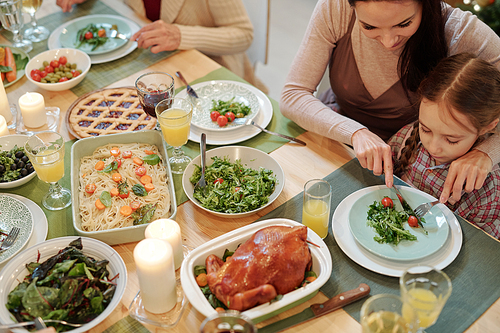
<point>459,107</point>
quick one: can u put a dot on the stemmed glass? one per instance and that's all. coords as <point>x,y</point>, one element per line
<point>174,116</point>
<point>36,33</point>
<point>426,290</point>
<point>46,153</point>
<point>12,19</point>
<point>386,313</point>
<point>152,88</point>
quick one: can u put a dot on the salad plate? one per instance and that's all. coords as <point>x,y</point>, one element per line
<point>211,92</point>
<point>54,43</point>
<point>385,266</point>
<point>68,36</point>
<point>21,57</point>
<point>14,213</point>
<point>214,137</point>
<point>426,244</point>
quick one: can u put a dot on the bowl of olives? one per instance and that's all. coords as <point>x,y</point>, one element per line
<point>15,166</point>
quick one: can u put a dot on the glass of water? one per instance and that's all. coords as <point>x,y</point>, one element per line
<point>11,16</point>
<point>35,33</point>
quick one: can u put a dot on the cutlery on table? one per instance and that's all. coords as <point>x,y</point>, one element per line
<point>422,209</point>
<point>407,208</point>
<point>11,238</point>
<point>316,310</point>
<point>189,89</point>
<point>116,34</point>
<point>203,149</point>
<point>38,321</point>
<point>244,121</point>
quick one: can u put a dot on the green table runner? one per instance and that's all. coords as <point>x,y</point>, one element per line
<point>475,273</point>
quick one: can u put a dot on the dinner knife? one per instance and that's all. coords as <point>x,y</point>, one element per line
<point>406,206</point>
<point>189,89</point>
<point>318,309</point>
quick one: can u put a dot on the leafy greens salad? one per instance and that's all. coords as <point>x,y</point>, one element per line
<point>68,286</point>
<point>233,188</point>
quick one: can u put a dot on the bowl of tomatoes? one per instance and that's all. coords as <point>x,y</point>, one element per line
<point>58,69</point>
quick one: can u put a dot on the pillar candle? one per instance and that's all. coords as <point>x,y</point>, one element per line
<point>3,125</point>
<point>154,264</point>
<point>170,232</point>
<point>4,104</point>
<point>32,108</point>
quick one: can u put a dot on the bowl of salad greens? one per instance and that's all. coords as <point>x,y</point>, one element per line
<point>82,280</point>
<point>15,168</point>
<point>240,181</point>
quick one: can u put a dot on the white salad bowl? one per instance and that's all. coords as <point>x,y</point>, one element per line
<point>8,142</point>
<point>15,271</point>
<point>250,158</point>
<point>322,266</point>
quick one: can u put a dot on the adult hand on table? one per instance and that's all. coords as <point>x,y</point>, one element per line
<point>471,169</point>
<point>67,5</point>
<point>159,35</point>
<point>373,154</point>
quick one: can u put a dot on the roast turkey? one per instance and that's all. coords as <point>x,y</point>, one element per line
<point>272,262</point>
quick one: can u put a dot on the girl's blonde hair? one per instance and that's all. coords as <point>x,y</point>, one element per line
<point>464,83</point>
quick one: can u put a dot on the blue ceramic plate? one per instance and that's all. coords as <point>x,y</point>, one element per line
<point>20,72</point>
<point>69,34</point>
<point>425,245</point>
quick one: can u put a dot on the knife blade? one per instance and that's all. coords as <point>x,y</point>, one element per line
<point>406,206</point>
<point>189,89</point>
<point>318,309</point>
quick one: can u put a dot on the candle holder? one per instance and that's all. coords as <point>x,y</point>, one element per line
<point>53,114</point>
<point>165,320</point>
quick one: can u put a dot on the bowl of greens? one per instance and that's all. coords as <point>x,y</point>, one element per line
<point>240,181</point>
<point>55,269</point>
<point>15,168</point>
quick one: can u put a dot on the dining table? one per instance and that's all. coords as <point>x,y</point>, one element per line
<point>474,305</point>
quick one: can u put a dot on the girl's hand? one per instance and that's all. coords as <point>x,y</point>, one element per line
<point>159,35</point>
<point>373,153</point>
<point>471,170</point>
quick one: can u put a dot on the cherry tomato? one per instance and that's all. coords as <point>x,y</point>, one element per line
<point>118,163</point>
<point>413,221</point>
<point>54,63</point>
<point>127,154</point>
<point>63,60</point>
<point>89,35</point>
<point>387,202</point>
<point>63,79</point>
<point>75,73</point>
<point>115,151</point>
<point>36,77</point>
<point>35,71</point>
<point>49,69</point>
<point>116,177</point>
<point>140,171</point>
<point>214,115</point>
<point>135,205</point>
<point>90,188</point>
<point>222,121</point>
<point>101,33</point>
<point>124,194</point>
<point>218,181</point>
<point>230,116</point>
<point>43,73</point>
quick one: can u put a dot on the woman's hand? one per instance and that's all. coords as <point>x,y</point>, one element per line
<point>471,170</point>
<point>159,35</point>
<point>373,154</point>
<point>67,5</point>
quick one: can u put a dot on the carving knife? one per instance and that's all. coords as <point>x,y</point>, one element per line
<point>317,310</point>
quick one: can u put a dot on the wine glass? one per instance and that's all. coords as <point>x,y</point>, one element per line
<point>36,33</point>
<point>425,289</point>
<point>12,19</point>
<point>386,313</point>
<point>152,88</point>
<point>46,153</point>
<point>174,116</point>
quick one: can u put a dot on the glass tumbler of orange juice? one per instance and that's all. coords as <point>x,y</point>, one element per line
<point>174,116</point>
<point>46,153</point>
<point>316,206</point>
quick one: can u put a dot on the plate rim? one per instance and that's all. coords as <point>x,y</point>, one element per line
<point>263,118</point>
<point>23,71</point>
<point>384,255</point>
<point>53,41</point>
<point>440,259</point>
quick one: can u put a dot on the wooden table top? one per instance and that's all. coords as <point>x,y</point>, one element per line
<point>319,158</point>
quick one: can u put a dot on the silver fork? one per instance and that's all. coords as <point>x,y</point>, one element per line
<point>202,184</point>
<point>11,238</point>
<point>28,323</point>
<point>422,209</point>
<point>245,121</point>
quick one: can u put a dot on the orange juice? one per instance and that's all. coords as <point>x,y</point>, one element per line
<point>384,322</point>
<point>49,165</point>
<point>315,215</point>
<point>426,305</point>
<point>175,125</point>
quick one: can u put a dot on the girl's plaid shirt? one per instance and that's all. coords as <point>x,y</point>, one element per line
<point>481,207</point>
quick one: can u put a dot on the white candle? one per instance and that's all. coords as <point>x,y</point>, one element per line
<point>4,104</point>
<point>155,269</point>
<point>170,232</point>
<point>32,108</point>
<point>3,125</point>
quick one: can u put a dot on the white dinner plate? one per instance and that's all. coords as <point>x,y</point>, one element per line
<point>263,118</point>
<point>40,227</point>
<point>14,213</point>
<point>54,43</point>
<point>440,259</point>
